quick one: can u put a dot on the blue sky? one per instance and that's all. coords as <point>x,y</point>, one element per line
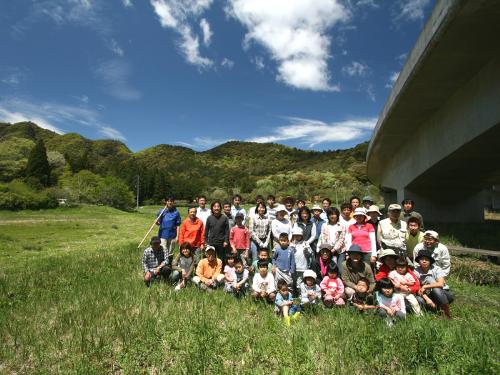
<point>312,74</point>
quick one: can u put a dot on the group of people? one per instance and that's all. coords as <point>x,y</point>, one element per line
<point>299,258</point>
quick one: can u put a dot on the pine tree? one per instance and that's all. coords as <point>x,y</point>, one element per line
<point>38,165</point>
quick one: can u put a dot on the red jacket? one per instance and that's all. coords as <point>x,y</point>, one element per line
<point>192,233</point>
<point>383,272</point>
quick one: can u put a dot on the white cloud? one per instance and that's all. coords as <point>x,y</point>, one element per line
<point>313,132</point>
<point>392,80</point>
<point>203,143</point>
<point>259,62</point>
<point>54,116</point>
<point>83,98</point>
<point>402,58</point>
<point>207,33</point>
<point>295,34</point>
<point>412,9</point>
<point>227,63</point>
<point>115,48</point>
<point>127,3</point>
<point>370,92</point>
<point>355,69</point>
<point>12,76</point>
<point>176,15</point>
<point>115,74</point>
<point>367,3</point>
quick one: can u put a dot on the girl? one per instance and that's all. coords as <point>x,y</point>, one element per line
<point>391,306</point>
<point>310,292</point>
<point>332,287</point>
<point>229,273</point>
<point>260,230</point>
<point>303,255</point>
<point>308,227</point>
<point>333,233</point>
<point>362,234</point>
<point>403,281</point>
<point>183,266</point>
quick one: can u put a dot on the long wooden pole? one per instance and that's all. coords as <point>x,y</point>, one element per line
<point>152,226</point>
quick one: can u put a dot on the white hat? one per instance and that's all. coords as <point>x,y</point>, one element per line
<point>209,248</point>
<point>296,231</point>
<point>316,207</point>
<point>432,234</point>
<point>309,273</point>
<point>373,208</point>
<point>359,211</point>
<point>280,207</point>
<point>394,206</point>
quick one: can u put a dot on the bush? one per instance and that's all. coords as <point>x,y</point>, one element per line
<point>17,195</point>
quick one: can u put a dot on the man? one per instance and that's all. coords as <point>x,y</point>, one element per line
<point>236,208</point>
<point>193,232</point>
<point>155,263</point>
<point>391,232</point>
<point>208,272</point>
<point>217,231</point>
<point>226,208</point>
<point>326,205</point>
<point>439,252</point>
<point>408,212</point>
<point>318,221</point>
<point>169,222</point>
<point>202,212</point>
<point>271,207</point>
<point>289,202</point>
<point>367,201</point>
<point>414,236</point>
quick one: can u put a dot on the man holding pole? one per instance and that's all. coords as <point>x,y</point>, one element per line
<point>169,221</point>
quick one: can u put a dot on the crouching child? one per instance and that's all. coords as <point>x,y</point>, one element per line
<point>263,283</point>
<point>391,306</point>
<point>310,292</point>
<point>183,266</point>
<point>362,299</point>
<point>332,287</point>
<point>284,303</point>
<point>238,285</point>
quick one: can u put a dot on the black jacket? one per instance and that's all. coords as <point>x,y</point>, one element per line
<point>217,230</point>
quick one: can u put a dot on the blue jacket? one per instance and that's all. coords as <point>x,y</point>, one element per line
<point>169,221</point>
<point>284,259</point>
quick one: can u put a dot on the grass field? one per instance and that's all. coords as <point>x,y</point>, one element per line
<point>72,301</point>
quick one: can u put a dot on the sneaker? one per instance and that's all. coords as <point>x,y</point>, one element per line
<point>296,315</point>
<point>287,321</point>
<point>178,287</point>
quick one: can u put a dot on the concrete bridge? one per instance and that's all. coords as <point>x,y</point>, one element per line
<point>437,140</point>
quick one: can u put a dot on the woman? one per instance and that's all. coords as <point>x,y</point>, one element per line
<point>260,230</point>
<point>217,230</point>
<point>308,227</point>
<point>362,234</point>
<point>333,233</point>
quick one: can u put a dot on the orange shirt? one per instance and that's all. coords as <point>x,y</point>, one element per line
<point>208,271</point>
<point>192,232</point>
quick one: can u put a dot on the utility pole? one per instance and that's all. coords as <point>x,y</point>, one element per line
<point>137,192</point>
<point>336,195</point>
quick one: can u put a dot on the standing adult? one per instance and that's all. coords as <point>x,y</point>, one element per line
<point>367,201</point>
<point>226,208</point>
<point>414,235</point>
<point>440,253</point>
<point>280,225</point>
<point>168,231</point>
<point>355,203</point>
<point>316,211</point>
<point>374,213</point>
<point>202,212</point>
<point>271,207</point>
<point>408,211</point>
<point>252,212</point>
<point>236,208</point>
<point>391,231</point>
<point>193,232</point>
<point>260,231</point>
<point>333,233</point>
<point>291,214</point>
<point>345,215</point>
<point>308,227</point>
<point>362,234</point>
<point>217,231</point>
<point>327,202</point>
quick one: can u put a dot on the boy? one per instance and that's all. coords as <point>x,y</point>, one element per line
<point>414,235</point>
<point>284,303</point>
<point>361,299</point>
<point>236,208</point>
<point>283,261</point>
<point>155,263</point>
<point>239,238</point>
<point>240,285</point>
<point>263,255</point>
<point>263,284</point>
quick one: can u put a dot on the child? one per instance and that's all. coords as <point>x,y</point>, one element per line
<point>310,292</point>
<point>361,299</point>
<point>236,208</point>
<point>283,261</point>
<point>302,254</point>
<point>264,256</point>
<point>239,238</point>
<point>391,305</point>
<point>229,273</point>
<point>240,284</point>
<point>183,266</point>
<point>332,287</point>
<point>284,303</point>
<point>263,284</point>
<point>402,281</point>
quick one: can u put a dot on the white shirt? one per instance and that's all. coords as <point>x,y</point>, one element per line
<point>260,284</point>
<point>346,223</point>
<point>281,226</point>
<point>203,214</point>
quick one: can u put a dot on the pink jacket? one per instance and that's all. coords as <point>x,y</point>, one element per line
<point>332,285</point>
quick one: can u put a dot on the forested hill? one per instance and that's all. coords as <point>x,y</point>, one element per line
<point>244,167</point>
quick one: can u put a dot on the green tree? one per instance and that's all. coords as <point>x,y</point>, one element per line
<point>38,165</point>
